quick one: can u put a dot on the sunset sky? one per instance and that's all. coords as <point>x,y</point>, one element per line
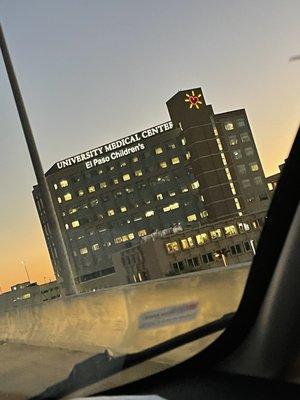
<point>92,71</point>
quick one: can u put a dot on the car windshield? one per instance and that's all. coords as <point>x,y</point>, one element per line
<point>155,135</point>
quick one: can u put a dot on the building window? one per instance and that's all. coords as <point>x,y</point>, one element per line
<point>192,217</point>
<point>207,258</point>
<point>142,233</point>
<point>135,159</point>
<point>245,137</point>
<point>202,238</point>
<point>67,226</point>
<point>249,151</point>
<point>184,190</point>
<point>75,224</point>
<point>258,180</point>
<point>247,246</point>
<point>188,155</point>
<point>159,196</point>
<point>172,194</point>
<point>55,186</point>
<point>240,122</point>
<point>149,213</point>
<point>123,209</point>
<point>111,212</point>
<point>96,246</point>
<point>126,177</point>
<point>195,185</point>
<point>123,164</point>
<point>215,234</point>
<point>254,167</point>
<point>115,181</point>
<point>172,247</point>
<point>228,126</point>
<point>187,243</point>
<point>241,169</point>
<point>158,150</point>
<point>246,183</point>
<point>204,214</point>
<point>118,240</point>
<point>91,189</point>
<point>270,186</point>
<point>237,204</point>
<point>68,197</point>
<point>59,200</point>
<point>80,192</point>
<point>236,249</point>
<point>183,141</point>
<point>237,154</point>
<point>178,266</point>
<point>230,230</point>
<point>64,183</point>
<point>175,160</point>
<point>171,146</point>
<point>103,185</point>
<point>233,140</point>
<point>163,164</point>
<point>138,172</point>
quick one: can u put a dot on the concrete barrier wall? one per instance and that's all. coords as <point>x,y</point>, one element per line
<point>110,318</point>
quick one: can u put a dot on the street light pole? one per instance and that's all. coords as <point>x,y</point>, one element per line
<point>24,265</point>
<point>63,256</point>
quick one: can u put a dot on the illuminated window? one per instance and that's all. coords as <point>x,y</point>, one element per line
<point>103,185</point>
<point>75,224</point>
<point>135,159</point>
<point>111,212</point>
<point>175,160</point>
<point>184,190</point>
<point>228,173</point>
<point>138,172</point>
<point>67,226</point>
<point>249,151</point>
<point>257,180</point>
<point>166,209</point>
<point>149,213</point>
<point>183,141</point>
<point>68,196</point>
<point>192,217</point>
<point>237,154</point>
<point>59,200</point>
<point>246,183</point>
<point>172,194</point>
<point>215,234</point>
<point>96,246</point>
<point>73,210</point>
<point>158,150</point>
<point>230,230</point>
<point>195,185</point>
<point>118,240</point>
<point>245,137</point>
<point>270,186</point>
<point>187,243</point>
<point>172,247</point>
<point>204,214</point>
<point>174,206</point>
<point>163,164</point>
<point>80,192</point>
<point>159,196</point>
<point>228,126</point>
<point>142,233</point>
<point>241,169</point>
<point>237,204</point>
<point>124,238</point>
<point>55,186</point>
<point>233,140</point>
<point>63,183</point>
<point>171,145</point>
<point>233,191</point>
<point>123,209</point>
<point>202,238</point>
<point>126,177</point>
<point>123,164</point>
<point>130,236</point>
<point>188,155</point>
<point>94,202</point>
<point>254,167</point>
<point>240,122</point>
<point>91,189</point>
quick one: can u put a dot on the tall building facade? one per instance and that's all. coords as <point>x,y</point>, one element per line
<point>196,169</point>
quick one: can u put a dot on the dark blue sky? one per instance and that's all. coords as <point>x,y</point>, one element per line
<point>92,71</point>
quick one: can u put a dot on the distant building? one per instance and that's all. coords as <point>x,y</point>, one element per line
<point>195,170</point>
<point>26,293</point>
<point>272,180</point>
